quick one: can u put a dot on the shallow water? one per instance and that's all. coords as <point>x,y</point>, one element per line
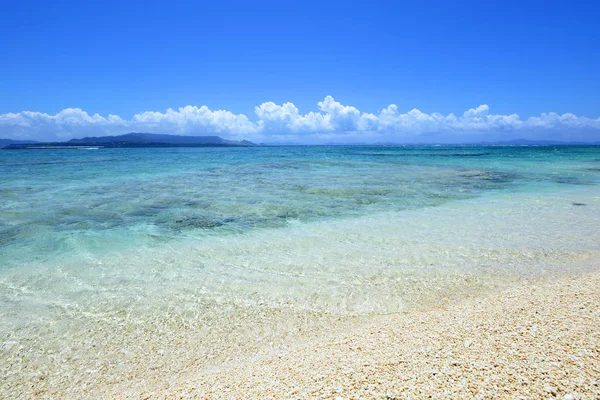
<point>114,253</point>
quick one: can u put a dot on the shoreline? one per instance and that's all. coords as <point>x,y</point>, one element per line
<point>537,339</point>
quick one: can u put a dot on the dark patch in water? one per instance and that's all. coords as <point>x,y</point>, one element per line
<point>595,169</point>
<point>144,212</point>
<point>197,223</point>
<point>462,155</point>
<point>9,235</point>
<point>369,200</point>
<point>491,176</point>
<point>579,204</point>
<point>568,180</point>
<point>378,154</point>
<point>197,204</point>
<point>289,165</point>
<point>288,215</point>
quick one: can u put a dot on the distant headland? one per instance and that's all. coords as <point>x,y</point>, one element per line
<point>128,140</point>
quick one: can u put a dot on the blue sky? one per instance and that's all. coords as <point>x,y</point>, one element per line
<point>63,62</point>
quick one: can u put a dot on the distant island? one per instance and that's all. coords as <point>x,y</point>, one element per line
<point>129,140</point>
<point>8,142</point>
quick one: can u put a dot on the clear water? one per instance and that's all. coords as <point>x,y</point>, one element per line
<point>56,203</point>
<point>118,247</point>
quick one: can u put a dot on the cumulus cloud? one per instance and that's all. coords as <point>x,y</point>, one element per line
<point>332,122</point>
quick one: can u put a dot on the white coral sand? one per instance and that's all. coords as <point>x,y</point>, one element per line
<point>536,340</point>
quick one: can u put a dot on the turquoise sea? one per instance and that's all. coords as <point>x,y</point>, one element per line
<point>117,261</point>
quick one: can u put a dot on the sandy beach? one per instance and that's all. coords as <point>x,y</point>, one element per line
<point>534,339</point>
<point>537,339</point>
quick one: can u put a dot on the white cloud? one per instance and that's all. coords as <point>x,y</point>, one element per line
<point>332,122</point>
<point>193,120</point>
<point>273,118</point>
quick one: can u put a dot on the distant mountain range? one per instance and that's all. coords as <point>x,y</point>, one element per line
<point>7,142</point>
<point>147,138</point>
<point>131,140</point>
